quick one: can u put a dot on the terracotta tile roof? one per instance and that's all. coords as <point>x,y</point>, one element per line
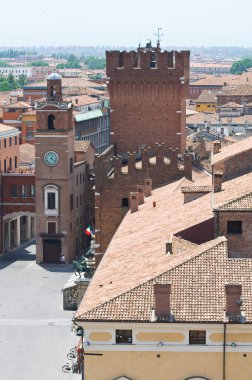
<point>196,189</point>
<point>18,105</point>
<point>83,100</point>
<point>197,279</point>
<point>140,241</point>
<point>231,105</point>
<point>243,203</point>
<point>203,118</point>
<point>81,146</point>
<point>239,89</point>
<point>232,150</point>
<point>26,153</point>
<point>5,128</point>
<point>220,80</point>
<point>206,97</point>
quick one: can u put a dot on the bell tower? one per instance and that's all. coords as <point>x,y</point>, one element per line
<point>54,158</point>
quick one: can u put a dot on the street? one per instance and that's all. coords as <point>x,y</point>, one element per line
<point>35,331</point>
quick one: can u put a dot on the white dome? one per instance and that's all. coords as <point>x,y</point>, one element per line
<point>54,76</point>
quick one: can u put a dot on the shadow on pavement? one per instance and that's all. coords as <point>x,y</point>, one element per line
<point>67,268</point>
<point>23,253</point>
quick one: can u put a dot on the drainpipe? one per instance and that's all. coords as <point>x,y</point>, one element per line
<point>224,352</point>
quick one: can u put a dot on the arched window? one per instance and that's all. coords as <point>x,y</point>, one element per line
<point>51,122</point>
<point>123,378</point>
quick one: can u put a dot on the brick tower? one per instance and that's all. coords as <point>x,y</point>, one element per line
<point>54,142</point>
<point>148,91</point>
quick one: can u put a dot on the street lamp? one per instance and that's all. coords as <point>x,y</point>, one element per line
<point>80,332</point>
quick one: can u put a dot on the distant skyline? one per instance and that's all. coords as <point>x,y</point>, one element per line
<point>115,23</point>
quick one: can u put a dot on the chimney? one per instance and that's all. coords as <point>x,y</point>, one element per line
<point>169,247</point>
<point>140,190</point>
<point>217,182</point>
<point>233,299</point>
<point>133,202</point>
<point>162,294</point>
<point>216,147</point>
<point>147,187</point>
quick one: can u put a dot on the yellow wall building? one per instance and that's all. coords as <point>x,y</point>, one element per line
<point>206,102</point>
<point>163,352</point>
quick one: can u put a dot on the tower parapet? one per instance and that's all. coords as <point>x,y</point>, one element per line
<point>148,89</point>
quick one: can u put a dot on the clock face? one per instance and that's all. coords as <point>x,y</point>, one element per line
<point>51,158</point>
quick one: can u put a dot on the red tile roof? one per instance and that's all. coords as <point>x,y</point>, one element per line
<point>136,253</point>
<point>197,277</point>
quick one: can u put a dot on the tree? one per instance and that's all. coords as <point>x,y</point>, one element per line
<point>72,63</point>
<point>11,81</point>
<point>241,66</point>
<point>93,63</point>
<point>38,63</point>
<point>22,80</point>
<point>4,64</point>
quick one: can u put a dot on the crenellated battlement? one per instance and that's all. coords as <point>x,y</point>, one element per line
<point>152,60</point>
<point>165,166</point>
<point>116,181</point>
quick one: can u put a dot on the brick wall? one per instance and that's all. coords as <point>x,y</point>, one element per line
<point>234,166</point>
<point>111,189</point>
<point>239,245</point>
<point>145,100</point>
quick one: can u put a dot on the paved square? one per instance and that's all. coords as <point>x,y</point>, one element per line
<point>35,331</point>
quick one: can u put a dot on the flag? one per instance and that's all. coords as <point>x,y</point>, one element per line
<point>89,232</point>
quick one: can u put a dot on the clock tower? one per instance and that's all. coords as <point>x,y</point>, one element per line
<point>54,158</point>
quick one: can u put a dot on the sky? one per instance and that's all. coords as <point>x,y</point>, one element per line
<point>184,23</point>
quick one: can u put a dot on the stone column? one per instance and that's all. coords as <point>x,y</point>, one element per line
<point>28,227</point>
<point>18,231</point>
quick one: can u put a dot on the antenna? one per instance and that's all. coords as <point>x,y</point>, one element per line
<point>158,36</point>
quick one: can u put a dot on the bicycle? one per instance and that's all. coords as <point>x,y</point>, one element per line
<point>71,355</point>
<point>67,368</point>
<point>73,351</point>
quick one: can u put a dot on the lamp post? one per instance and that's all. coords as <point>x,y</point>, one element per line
<point>80,332</point>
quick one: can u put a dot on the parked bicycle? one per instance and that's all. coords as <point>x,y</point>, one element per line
<point>71,356</point>
<point>73,368</point>
<point>73,350</point>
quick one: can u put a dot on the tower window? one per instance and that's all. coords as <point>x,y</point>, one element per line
<point>51,122</point>
<point>52,91</point>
